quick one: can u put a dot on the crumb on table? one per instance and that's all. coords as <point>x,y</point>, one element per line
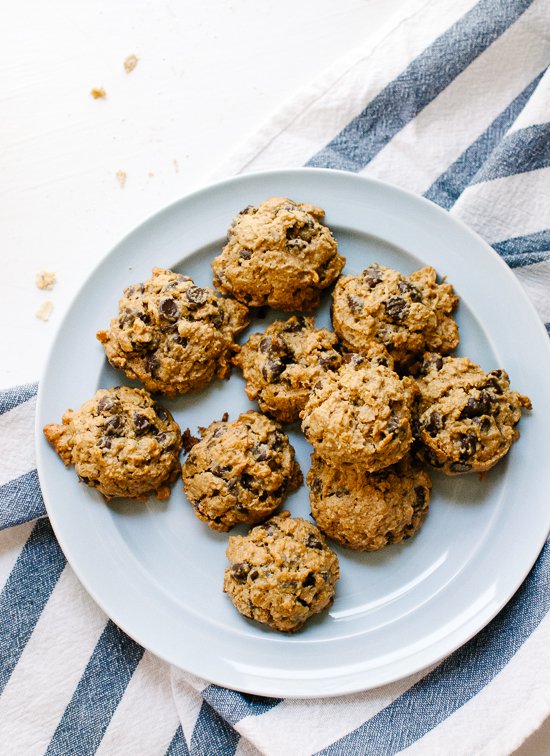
<point>121,178</point>
<point>130,63</point>
<point>98,93</point>
<point>45,310</point>
<point>45,279</point>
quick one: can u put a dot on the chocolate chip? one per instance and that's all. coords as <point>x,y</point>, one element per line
<point>468,446</point>
<point>372,275</point>
<point>313,542</point>
<point>309,582</point>
<point>405,287</point>
<point>272,370</point>
<point>151,363</point>
<point>341,492</point>
<point>260,452</point>
<point>248,209</point>
<point>460,467</point>
<point>105,403</point>
<point>434,424</point>
<point>389,536</point>
<point>135,289</point>
<point>420,501</point>
<point>396,308</point>
<point>295,324</point>
<point>221,472</point>
<point>220,430</point>
<point>317,485</point>
<point>181,340</point>
<point>114,425</point>
<point>104,443</point>
<point>431,361</point>
<point>142,424</point>
<point>356,304</point>
<point>196,296</point>
<point>265,343</point>
<point>303,232</point>
<point>161,413</point>
<point>477,407</point>
<point>245,253</point>
<point>239,571</point>
<point>301,601</point>
<point>329,360</point>
<point>254,574</point>
<point>493,382</point>
<point>247,482</point>
<point>393,425</point>
<point>168,308</point>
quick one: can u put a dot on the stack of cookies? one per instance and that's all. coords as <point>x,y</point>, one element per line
<point>379,399</point>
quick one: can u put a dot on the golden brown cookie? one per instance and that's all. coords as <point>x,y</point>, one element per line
<point>171,335</point>
<point>368,511</point>
<point>278,254</point>
<point>360,415</point>
<point>240,471</point>
<point>466,418</point>
<point>120,442</point>
<point>281,573</point>
<point>409,315</point>
<point>281,365</point>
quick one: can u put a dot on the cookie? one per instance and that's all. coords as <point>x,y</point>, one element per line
<point>281,573</point>
<point>360,415</point>
<point>368,511</point>
<point>409,315</point>
<point>120,442</point>
<point>240,471</point>
<point>281,365</point>
<point>171,335</point>
<point>278,254</point>
<point>466,418</point>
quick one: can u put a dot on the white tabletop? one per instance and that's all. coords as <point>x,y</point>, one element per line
<point>208,75</point>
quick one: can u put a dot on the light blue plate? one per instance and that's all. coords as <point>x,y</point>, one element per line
<point>157,571</point>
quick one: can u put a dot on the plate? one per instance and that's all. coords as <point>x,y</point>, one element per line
<point>157,571</point>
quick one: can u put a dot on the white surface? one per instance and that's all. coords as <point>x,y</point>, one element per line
<point>208,74</point>
<point>156,570</point>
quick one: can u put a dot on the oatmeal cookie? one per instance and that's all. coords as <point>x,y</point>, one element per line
<point>281,573</point>
<point>368,511</point>
<point>240,471</point>
<point>278,254</point>
<point>281,365</point>
<point>171,335</point>
<point>120,442</point>
<point>360,415</point>
<point>409,315</point>
<point>466,418</point>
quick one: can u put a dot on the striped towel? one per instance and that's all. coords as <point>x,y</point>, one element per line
<point>453,103</point>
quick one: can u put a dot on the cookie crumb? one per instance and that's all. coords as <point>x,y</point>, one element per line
<point>188,440</point>
<point>176,166</point>
<point>130,63</point>
<point>45,310</point>
<point>225,417</point>
<point>46,279</point>
<point>98,93</point>
<point>121,178</point>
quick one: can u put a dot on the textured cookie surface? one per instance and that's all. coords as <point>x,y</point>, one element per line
<point>278,254</point>
<point>409,315</point>
<point>360,415</point>
<point>171,335</point>
<point>466,418</point>
<point>368,511</point>
<point>281,573</point>
<point>240,471</point>
<point>120,442</point>
<point>281,365</point>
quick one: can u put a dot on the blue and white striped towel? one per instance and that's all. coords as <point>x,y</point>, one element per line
<point>453,103</point>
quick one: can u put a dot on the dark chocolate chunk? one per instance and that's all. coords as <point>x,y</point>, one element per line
<point>478,407</point>
<point>105,403</point>
<point>168,308</point>
<point>372,275</point>
<point>161,413</point>
<point>260,452</point>
<point>405,287</point>
<point>396,308</point>
<point>313,542</point>
<point>196,296</point>
<point>239,571</point>
<point>356,304</point>
<point>272,369</point>
<point>114,425</point>
<point>142,424</point>
<point>434,424</point>
<point>420,500</point>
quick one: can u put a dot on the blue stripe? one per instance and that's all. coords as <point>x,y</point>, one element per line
<point>419,84</point>
<point>25,594</point>
<point>21,500</point>
<point>449,186</point>
<point>212,734</point>
<point>457,679</point>
<point>525,150</point>
<point>178,746</point>
<point>13,397</point>
<point>234,706</point>
<point>97,695</point>
<point>547,326</point>
<point>525,250</point>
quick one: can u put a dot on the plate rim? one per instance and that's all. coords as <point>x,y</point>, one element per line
<point>308,691</point>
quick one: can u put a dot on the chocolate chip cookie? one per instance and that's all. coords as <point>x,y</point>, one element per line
<point>281,365</point>
<point>368,511</point>
<point>278,254</point>
<point>466,418</point>
<point>281,573</point>
<point>240,471</point>
<point>120,442</point>
<point>409,315</point>
<point>360,415</point>
<point>171,335</point>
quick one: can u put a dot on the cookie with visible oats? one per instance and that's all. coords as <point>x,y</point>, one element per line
<point>278,254</point>
<point>120,442</point>
<point>172,335</point>
<point>281,573</point>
